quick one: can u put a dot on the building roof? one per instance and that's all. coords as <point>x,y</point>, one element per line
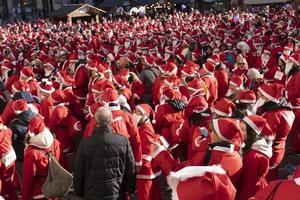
<point>66,10</point>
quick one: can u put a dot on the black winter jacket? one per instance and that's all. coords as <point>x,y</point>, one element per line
<point>105,167</point>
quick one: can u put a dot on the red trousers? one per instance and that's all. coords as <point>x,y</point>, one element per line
<point>148,189</point>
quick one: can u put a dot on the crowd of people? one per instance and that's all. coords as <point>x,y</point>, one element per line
<point>206,101</point>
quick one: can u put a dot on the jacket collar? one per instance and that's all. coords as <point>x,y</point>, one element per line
<point>103,129</point>
<point>225,147</point>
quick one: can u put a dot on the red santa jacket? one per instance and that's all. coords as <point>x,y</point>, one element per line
<point>223,80</point>
<point>280,122</point>
<point>8,113</point>
<point>212,86</point>
<point>65,126</point>
<point>81,78</point>
<point>138,89</point>
<point>7,163</point>
<point>46,109</point>
<point>165,117</point>
<point>36,167</point>
<point>33,87</point>
<point>255,169</point>
<point>293,88</point>
<point>147,135</point>
<point>192,135</point>
<point>288,189</point>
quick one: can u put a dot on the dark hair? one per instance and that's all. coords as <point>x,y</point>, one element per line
<point>251,138</point>
<point>196,119</point>
<point>240,110</point>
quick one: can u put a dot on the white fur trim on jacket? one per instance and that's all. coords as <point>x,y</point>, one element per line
<point>263,147</point>
<point>190,172</point>
<point>42,140</point>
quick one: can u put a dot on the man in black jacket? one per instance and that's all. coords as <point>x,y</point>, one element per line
<point>105,166</point>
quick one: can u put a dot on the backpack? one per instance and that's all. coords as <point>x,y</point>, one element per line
<point>19,128</point>
<point>59,181</point>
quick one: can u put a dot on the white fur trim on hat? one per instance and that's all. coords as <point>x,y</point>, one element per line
<point>217,130</point>
<point>252,125</point>
<point>268,96</point>
<point>247,101</point>
<point>218,112</point>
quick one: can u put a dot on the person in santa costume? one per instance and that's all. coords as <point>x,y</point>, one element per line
<point>292,93</point>
<point>147,181</point>
<point>62,123</point>
<point>194,129</point>
<point>35,166</point>
<point>223,79</point>
<point>225,133</point>
<point>27,75</point>
<point>210,81</point>
<point>281,189</point>
<point>46,88</point>
<point>244,104</point>
<point>223,108</point>
<point>280,118</point>
<point>7,165</point>
<point>256,154</point>
<point>236,85</point>
<point>169,111</point>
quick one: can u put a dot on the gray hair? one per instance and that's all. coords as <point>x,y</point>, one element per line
<point>103,116</point>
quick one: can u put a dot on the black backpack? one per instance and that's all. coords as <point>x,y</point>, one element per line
<point>19,127</point>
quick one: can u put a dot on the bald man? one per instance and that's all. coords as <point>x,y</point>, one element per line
<point>105,167</point>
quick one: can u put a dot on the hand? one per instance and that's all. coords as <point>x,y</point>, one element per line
<point>156,145</point>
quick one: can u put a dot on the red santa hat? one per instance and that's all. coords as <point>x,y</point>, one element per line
<point>19,86</point>
<point>246,96</point>
<point>111,96</point>
<point>224,107</point>
<point>27,72</point>
<point>147,111</point>
<point>73,58</point>
<point>36,126</point>
<point>197,104</point>
<point>273,91</point>
<point>169,68</point>
<point>295,57</point>
<point>170,93</point>
<point>228,129</point>
<point>209,67</point>
<point>212,179</point>
<point>236,81</point>
<point>149,60</point>
<point>214,59</point>
<point>7,65</point>
<point>258,124</point>
<point>101,84</point>
<point>58,96</point>
<point>51,63</point>
<point>188,71</point>
<point>46,86</point>
<point>20,106</point>
<point>196,85</point>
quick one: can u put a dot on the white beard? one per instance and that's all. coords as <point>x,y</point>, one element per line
<point>288,68</point>
<point>229,93</point>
